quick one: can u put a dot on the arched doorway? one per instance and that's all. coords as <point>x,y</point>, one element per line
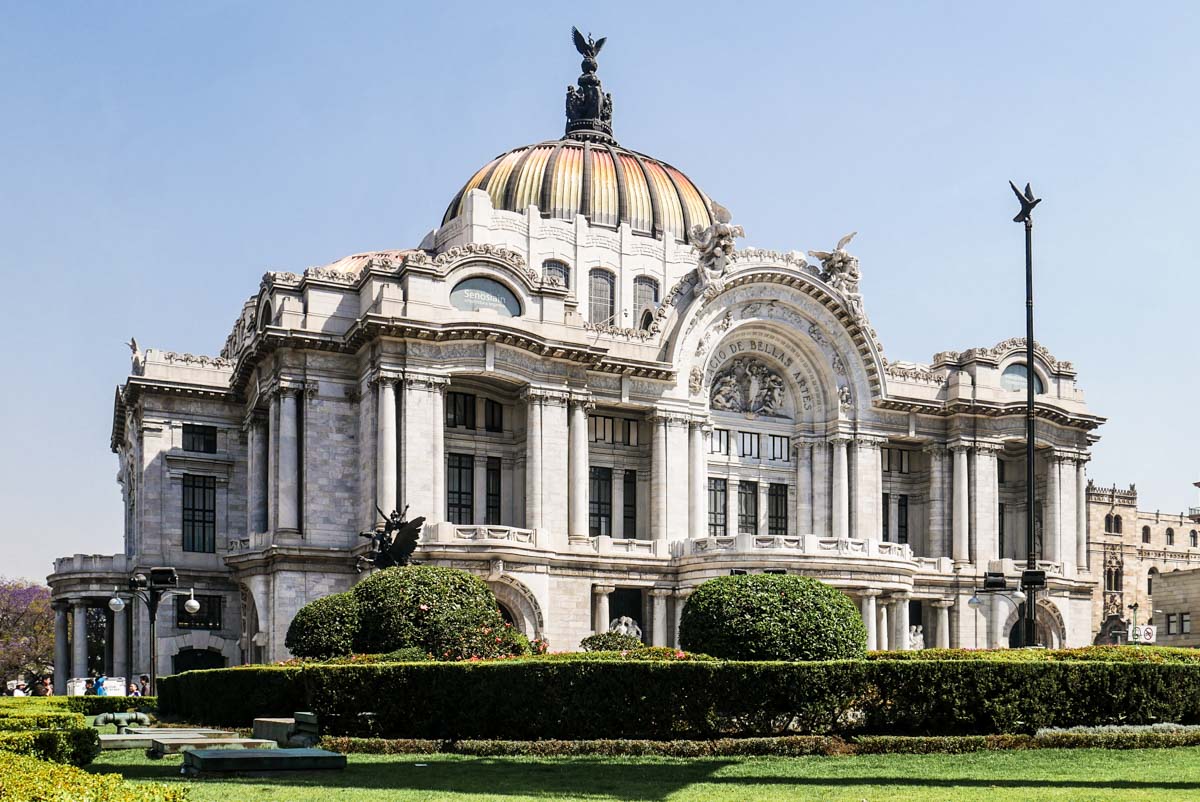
<point>1049,626</point>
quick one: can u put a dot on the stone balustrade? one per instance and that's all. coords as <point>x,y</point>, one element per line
<point>92,564</point>
<point>808,545</point>
<point>492,534</point>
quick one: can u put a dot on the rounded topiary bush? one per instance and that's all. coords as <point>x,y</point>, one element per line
<point>444,612</point>
<point>610,642</point>
<point>324,628</point>
<point>772,617</point>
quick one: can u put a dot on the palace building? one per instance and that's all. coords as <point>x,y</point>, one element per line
<point>597,401</point>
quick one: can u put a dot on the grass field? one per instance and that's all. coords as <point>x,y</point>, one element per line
<point>1084,774</point>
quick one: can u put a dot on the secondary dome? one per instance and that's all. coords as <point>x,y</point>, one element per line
<point>587,173</point>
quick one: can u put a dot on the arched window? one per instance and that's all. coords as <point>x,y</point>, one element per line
<point>267,318</point>
<point>1170,536</point>
<point>1117,524</point>
<point>1108,523</point>
<point>1145,534</point>
<point>647,320</point>
<point>645,292</point>
<point>601,298</point>
<point>556,269</point>
<point>1150,582</point>
<point>1193,539</point>
<point>1015,378</point>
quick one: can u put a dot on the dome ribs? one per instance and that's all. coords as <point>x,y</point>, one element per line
<point>545,201</point>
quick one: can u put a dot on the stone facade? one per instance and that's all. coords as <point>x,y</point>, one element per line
<point>1177,595</point>
<point>595,419</point>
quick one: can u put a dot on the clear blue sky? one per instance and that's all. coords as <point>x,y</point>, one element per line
<point>158,158</point>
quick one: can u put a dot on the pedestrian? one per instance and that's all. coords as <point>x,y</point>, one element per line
<point>89,687</point>
<point>100,690</point>
<point>133,690</point>
<point>39,687</point>
<point>145,682</point>
<point>20,690</point>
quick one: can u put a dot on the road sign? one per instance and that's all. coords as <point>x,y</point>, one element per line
<point>1146,633</point>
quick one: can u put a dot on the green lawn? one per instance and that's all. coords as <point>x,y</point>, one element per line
<point>1083,774</point>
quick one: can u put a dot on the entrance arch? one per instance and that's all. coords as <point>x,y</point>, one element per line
<point>521,605</point>
<point>1051,630</point>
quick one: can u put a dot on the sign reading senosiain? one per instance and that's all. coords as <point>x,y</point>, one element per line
<point>479,292</point>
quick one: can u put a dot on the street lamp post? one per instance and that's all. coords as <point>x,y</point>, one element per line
<point>1031,579</point>
<point>152,590</point>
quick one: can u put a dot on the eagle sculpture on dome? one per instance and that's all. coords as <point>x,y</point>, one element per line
<point>588,48</point>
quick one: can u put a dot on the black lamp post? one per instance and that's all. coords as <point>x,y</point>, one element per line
<point>1031,579</point>
<point>161,583</point>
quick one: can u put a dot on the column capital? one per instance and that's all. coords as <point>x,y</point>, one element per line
<point>704,424</point>
<point>958,447</point>
<point>582,399</point>
<point>683,593</point>
<point>546,395</point>
<point>900,597</point>
<point>380,377</point>
<point>869,441</point>
<point>986,448</point>
<point>670,418</point>
<point>838,439</point>
<point>935,450</point>
<point>870,592</point>
<point>660,593</point>
<point>603,590</point>
<point>942,603</point>
<point>425,381</point>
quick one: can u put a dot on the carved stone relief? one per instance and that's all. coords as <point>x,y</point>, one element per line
<point>748,385</point>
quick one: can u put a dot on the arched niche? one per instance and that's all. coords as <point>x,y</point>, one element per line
<point>521,604</point>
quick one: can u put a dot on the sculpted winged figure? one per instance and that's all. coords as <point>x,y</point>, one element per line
<point>588,48</point>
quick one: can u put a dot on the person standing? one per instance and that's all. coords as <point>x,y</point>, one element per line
<point>145,683</point>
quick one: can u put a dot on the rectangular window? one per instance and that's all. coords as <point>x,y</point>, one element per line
<point>200,438</point>
<point>895,460</point>
<point>629,502</point>
<point>621,431</point>
<point>199,513</point>
<point>600,502</point>
<point>718,442</point>
<point>717,500</point>
<point>779,447</point>
<point>460,410</point>
<point>748,444</point>
<point>748,507</point>
<point>207,617</point>
<point>629,429</point>
<point>1185,623</point>
<point>777,507</point>
<point>902,519</point>
<point>887,517</point>
<point>493,415</point>
<point>1172,626</point>
<point>460,489</point>
<point>1000,529</point>
<point>493,491</point>
<point>1000,478</point>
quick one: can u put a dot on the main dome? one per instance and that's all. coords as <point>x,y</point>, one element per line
<point>587,173</point>
<point>602,181</point>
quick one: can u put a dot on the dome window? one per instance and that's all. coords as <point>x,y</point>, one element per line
<point>481,293</point>
<point>601,300</point>
<point>1016,377</point>
<point>554,269</point>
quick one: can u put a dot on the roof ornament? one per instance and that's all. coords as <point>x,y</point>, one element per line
<point>715,246</point>
<point>840,271</point>
<point>589,107</point>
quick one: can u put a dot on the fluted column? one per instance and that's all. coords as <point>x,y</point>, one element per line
<point>900,639</point>
<point>577,467</point>
<point>1051,534</point>
<point>804,487</point>
<point>602,618</point>
<point>893,518</point>
<point>618,504</point>
<point>868,482</point>
<point>658,479</point>
<point>288,519</point>
<point>533,463</point>
<point>881,626</point>
<point>841,488</point>
<point>256,473</point>
<point>437,455</point>
<point>79,650</point>
<point>941,614</point>
<point>866,601</point>
<point>1081,540</point>
<point>697,480</point>
<point>987,491</point>
<point>962,505</point>
<point>385,452</point>
<point>120,643</point>
<point>937,543</point>
<point>821,476</point>
<point>62,649</point>
<point>658,631</point>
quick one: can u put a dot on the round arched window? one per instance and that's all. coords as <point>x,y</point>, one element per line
<point>480,292</point>
<point>1016,376</point>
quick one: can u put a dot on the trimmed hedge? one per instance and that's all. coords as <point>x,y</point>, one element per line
<point>95,705</point>
<point>325,627</point>
<point>610,642</point>
<point>1111,654</point>
<point>27,778</point>
<point>535,699</point>
<point>772,617</point>
<point>76,746</point>
<point>37,720</point>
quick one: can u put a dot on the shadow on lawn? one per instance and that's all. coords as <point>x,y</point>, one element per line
<point>592,777</point>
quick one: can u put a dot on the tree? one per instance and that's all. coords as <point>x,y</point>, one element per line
<point>26,629</point>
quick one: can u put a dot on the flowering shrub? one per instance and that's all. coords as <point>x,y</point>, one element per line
<point>772,617</point>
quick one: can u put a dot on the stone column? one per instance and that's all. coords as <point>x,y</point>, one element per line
<point>288,519</point>
<point>881,627</point>
<point>697,481</point>
<point>900,638</point>
<point>681,597</point>
<point>385,459</point>
<point>764,489</point>
<point>1081,540</point>
<point>893,518</point>
<point>79,650</point>
<point>256,473</point>
<point>937,543</point>
<point>578,467</point>
<point>987,494</point>
<point>437,451</point>
<point>821,525</point>
<point>658,631</point>
<point>478,489</point>
<point>841,488</point>
<point>962,505</point>
<point>804,487</point>
<point>602,618</point>
<point>866,601</point>
<point>533,464</point>
<point>62,650</point>
<point>1051,536</point>
<point>272,499</point>
<point>868,488</point>
<point>618,503</point>
<point>658,479</point>
<point>120,643</point>
<point>941,614</point>
<point>996,616</point>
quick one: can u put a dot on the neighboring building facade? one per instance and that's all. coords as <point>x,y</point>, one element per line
<point>597,404</point>
<point>1133,551</point>
<point>1177,595</point>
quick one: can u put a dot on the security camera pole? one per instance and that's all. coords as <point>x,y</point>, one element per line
<point>1031,579</point>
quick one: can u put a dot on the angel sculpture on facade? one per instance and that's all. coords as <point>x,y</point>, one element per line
<point>135,355</point>
<point>393,543</point>
<point>715,246</point>
<point>840,270</point>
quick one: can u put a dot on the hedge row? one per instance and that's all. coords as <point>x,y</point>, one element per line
<point>1119,654</point>
<point>75,746</point>
<point>27,778</point>
<point>574,700</point>
<point>37,720</point>
<point>95,705</point>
